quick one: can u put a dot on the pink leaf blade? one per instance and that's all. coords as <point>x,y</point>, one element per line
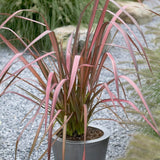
<point>101,65</point>
<point>41,64</point>
<point>3,72</point>
<point>56,93</point>
<point>122,9</point>
<point>50,133</point>
<point>55,97</point>
<point>142,48</point>
<point>86,65</point>
<point>22,96</point>
<point>128,45</point>
<point>68,53</point>
<point>92,17</point>
<point>85,121</point>
<point>48,90</point>
<point>21,17</point>
<point>136,109</point>
<point>10,63</point>
<point>112,96</point>
<point>143,116</point>
<point>140,95</point>
<point>89,86</point>
<point>31,63</point>
<point>10,17</point>
<point>37,39</point>
<point>77,29</point>
<point>22,59</point>
<point>61,127</point>
<point>100,23</point>
<point>114,71</point>
<point>94,10</point>
<point>106,34</point>
<point>73,73</point>
<point>85,129</point>
<point>29,122</point>
<point>36,137</point>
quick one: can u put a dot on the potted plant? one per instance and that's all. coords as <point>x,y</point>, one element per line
<point>70,88</point>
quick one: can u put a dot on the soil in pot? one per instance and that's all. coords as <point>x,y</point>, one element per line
<point>92,133</point>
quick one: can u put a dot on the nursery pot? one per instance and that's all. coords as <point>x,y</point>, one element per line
<point>94,149</point>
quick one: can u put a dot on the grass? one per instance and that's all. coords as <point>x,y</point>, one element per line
<point>143,147</point>
<point>146,144</point>
<point>57,13</point>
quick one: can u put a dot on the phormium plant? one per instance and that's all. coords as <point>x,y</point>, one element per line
<point>71,88</point>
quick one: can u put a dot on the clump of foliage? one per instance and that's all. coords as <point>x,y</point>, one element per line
<point>143,147</point>
<point>146,144</point>
<point>151,86</point>
<point>56,12</point>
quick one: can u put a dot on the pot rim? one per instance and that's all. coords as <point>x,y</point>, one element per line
<point>103,137</point>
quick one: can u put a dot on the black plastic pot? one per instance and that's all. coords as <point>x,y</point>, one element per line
<point>95,149</point>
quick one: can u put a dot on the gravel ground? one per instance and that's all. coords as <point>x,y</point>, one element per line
<point>14,108</point>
